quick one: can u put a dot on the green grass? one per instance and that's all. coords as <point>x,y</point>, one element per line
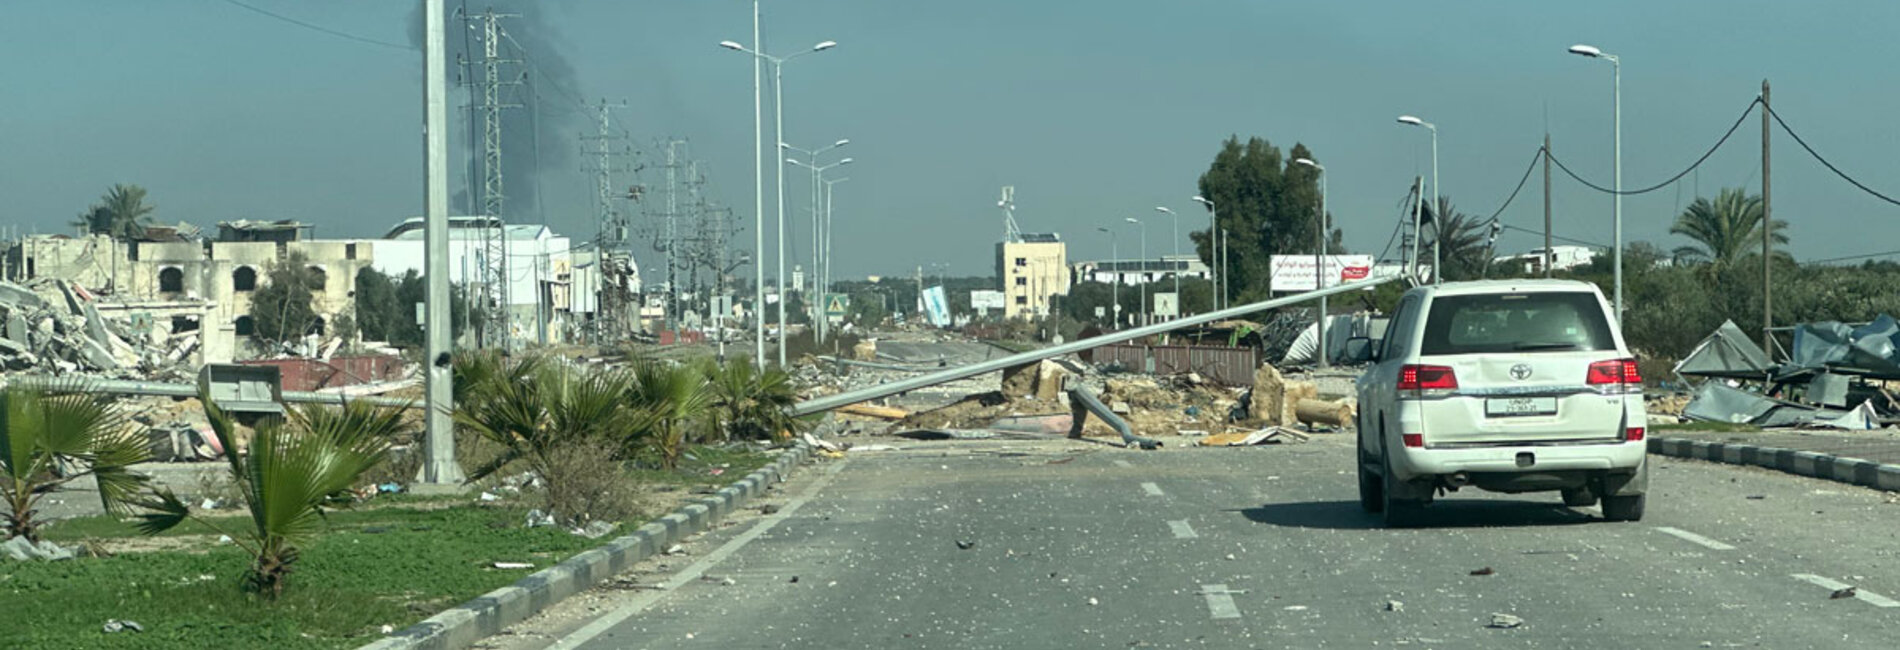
<point>1699,426</point>
<point>348,584</point>
<point>696,468</point>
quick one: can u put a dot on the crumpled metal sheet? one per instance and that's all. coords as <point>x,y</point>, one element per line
<point>1871,347</point>
<point>1726,352</point>
<point>1717,402</point>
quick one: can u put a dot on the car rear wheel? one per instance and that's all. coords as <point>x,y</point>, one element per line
<point>1399,512</point>
<point>1371,490</point>
<point>1624,508</point>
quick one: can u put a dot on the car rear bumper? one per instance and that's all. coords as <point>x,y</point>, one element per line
<point>1414,462</point>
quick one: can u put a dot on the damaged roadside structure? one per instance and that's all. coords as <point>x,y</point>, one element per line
<point>1832,379</point>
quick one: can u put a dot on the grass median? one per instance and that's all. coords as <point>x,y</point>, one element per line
<point>387,562</point>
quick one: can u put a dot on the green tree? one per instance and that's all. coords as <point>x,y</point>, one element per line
<point>1265,203</point>
<point>53,435</point>
<point>121,213</point>
<point>292,471</point>
<point>673,396</point>
<point>283,310</point>
<point>1463,242</point>
<point>752,404</point>
<point>1724,230</point>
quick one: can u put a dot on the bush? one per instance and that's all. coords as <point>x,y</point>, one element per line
<point>586,483</point>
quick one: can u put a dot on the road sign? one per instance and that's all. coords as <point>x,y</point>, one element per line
<point>986,299</point>
<point>837,304</point>
<point>1165,305</point>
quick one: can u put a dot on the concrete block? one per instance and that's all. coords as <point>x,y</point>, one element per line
<point>1808,463</point>
<point>698,516</point>
<point>1887,477</point>
<point>1784,460</point>
<point>1858,471</point>
<point>1700,449</point>
<point>1732,454</point>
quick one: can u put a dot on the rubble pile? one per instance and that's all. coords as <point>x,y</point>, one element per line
<point>53,326</point>
<point>1837,376</point>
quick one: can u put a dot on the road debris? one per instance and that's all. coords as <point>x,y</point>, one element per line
<point>115,626</point>
<point>675,549</point>
<point>514,565</point>
<point>1505,621</point>
<point>966,545</point>
<point>22,550</point>
<point>1844,592</point>
<point>1483,572</point>
<point>1394,606</point>
<point>1270,435</point>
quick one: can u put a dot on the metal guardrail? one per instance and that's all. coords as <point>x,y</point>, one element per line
<point>164,389</point>
<point>905,385</point>
<point>1082,403</point>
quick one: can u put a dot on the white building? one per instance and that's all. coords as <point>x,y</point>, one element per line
<point>1563,258</point>
<point>540,268</point>
<point>1133,272</point>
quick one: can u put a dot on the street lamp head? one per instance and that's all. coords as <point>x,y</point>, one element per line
<point>1203,201</point>
<point>1163,209</point>
<point>841,143</point>
<point>1132,220</point>
<point>793,161</point>
<point>846,161</point>
<point>730,45</point>
<point>1407,119</point>
<point>1309,163</point>
<point>1586,50</point>
<point>824,46</point>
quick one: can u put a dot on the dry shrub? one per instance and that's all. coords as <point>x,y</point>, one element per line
<point>584,483</point>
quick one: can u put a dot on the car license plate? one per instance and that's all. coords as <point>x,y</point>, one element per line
<point>1518,406</point>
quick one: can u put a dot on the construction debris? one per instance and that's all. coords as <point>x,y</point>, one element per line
<point>1310,411</point>
<point>54,326</point>
<point>880,412</point>
<point>1269,435</point>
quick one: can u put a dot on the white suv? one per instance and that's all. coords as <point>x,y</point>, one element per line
<point>1506,385</point>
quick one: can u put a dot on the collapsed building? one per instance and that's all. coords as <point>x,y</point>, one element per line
<point>1835,376</point>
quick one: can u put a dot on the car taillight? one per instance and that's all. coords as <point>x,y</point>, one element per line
<point>1633,434</point>
<point>1414,440</point>
<point>1417,381</point>
<point>1615,372</point>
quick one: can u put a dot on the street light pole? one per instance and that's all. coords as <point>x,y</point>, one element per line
<point>778,130</point>
<point>1174,233</point>
<point>825,278</point>
<point>820,327</point>
<point>1319,256</point>
<point>1214,250</point>
<point>1616,90</point>
<point>1438,220</point>
<point>1142,265</point>
<point>1115,286</point>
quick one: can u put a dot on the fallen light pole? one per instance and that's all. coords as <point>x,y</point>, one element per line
<point>905,385</point>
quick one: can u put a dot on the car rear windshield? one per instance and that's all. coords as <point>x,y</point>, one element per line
<point>1516,322</point>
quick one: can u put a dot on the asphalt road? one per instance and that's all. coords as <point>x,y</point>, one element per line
<point>1079,545</point>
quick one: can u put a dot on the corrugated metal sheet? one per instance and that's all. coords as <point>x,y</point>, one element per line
<point>312,374</point>
<point>1228,366</point>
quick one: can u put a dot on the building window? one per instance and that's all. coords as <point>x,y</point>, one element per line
<point>171,280</point>
<point>132,251</point>
<point>349,251</point>
<point>1022,281</point>
<point>1022,300</point>
<point>318,278</point>
<point>244,279</point>
<point>1022,261</point>
<point>182,324</point>
<point>245,326</point>
<point>316,327</point>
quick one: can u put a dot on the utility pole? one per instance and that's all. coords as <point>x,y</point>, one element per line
<point>1550,254</point>
<point>1767,228</point>
<point>438,468</point>
<point>610,232</point>
<point>495,274</point>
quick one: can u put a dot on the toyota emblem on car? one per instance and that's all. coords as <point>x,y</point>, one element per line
<point>1521,371</point>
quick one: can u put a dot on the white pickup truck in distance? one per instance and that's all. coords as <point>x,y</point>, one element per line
<point>1505,385</point>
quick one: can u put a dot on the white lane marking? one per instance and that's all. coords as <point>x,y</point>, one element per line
<point>1122,463</point>
<point>1151,489</point>
<point>1864,595</point>
<point>1694,538</point>
<point>693,572</point>
<point>1219,604</point>
<point>1182,530</point>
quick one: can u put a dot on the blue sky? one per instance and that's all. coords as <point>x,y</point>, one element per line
<point>1094,110</point>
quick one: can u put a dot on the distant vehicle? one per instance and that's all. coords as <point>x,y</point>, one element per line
<point>1505,385</point>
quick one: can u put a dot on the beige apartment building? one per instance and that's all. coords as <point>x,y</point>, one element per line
<point>1032,270</point>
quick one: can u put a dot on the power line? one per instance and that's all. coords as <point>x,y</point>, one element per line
<point>1824,162</point>
<point>1692,166</point>
<point>1540,233</point>
<point>1849,258</point>
<point>1520,184</point>
<point>320,28</point>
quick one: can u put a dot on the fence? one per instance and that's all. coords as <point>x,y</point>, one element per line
<point>1229,366</point>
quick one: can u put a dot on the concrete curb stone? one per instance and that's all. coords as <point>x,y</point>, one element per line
<point>1856,471</point>
<point>465,624</point>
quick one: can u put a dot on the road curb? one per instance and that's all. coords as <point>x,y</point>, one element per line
<point>465,624</point>
<point>1857,471</point>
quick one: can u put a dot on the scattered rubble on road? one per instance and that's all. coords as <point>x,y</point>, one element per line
<point>1504,621</point>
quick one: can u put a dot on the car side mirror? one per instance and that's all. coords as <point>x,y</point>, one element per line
<point>1360,348</point>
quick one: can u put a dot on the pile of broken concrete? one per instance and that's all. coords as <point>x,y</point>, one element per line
<point>53,326</point>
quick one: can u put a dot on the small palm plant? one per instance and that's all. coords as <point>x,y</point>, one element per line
<point>753,404</point>
<point>532,407</point>
<point>672,396</point>
<point>293,470</point>
<point>51,435</point>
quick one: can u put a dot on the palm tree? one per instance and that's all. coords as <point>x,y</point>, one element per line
<point>1463,245</point>
<point>1724,230</point>
<point>121,213</point>
<point>293,470</point>
<point>531,408</point>
<point>673,396</point>
<point>46,432</point>
<point>752,404</point>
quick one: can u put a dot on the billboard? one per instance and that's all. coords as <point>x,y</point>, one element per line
<point>937,307</point>
<point>981,299</point>
<point>1297,272</point>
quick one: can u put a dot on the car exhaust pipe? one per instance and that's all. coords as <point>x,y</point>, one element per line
<point>1457,480</point>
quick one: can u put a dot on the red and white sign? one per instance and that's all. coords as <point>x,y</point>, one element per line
<point>1298,272</point>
